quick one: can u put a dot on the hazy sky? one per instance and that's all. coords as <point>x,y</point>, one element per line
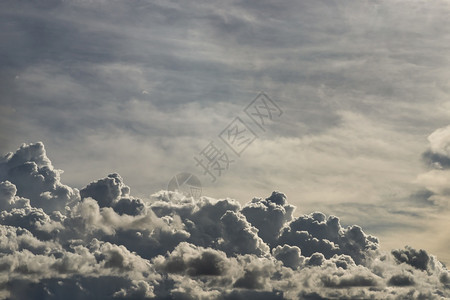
<point>141,87</point>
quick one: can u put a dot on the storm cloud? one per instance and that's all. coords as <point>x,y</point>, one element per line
<point>101,242</point>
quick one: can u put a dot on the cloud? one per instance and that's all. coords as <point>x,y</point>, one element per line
<point>417,258</point>
<point>289,255</point>
<point>317,233</point>
<point>35,178</point>
<point>437,158</point>
<point>106,191</point>
<point>107,243</point>
<point>439,152</point>
<point>112,192</point>
<point>188,259</point>
<point>269,215</point>
<point>361,83</point>
<point>401,280</point>
<point>358,86</point>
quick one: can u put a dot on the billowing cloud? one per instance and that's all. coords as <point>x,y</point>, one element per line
<point>101,242</point>
<point>269,215</point>
<point>437,156</point>
<point>35,178</point>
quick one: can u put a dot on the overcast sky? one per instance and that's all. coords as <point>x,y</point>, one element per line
<point>141,87</point>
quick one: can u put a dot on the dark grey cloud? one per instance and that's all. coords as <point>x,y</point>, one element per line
<point>189,260</point>
<point>107,244</point>
<point>436,160</point>
<point>106,191</point>
<point>401,280</point>
<point>112,192</point>
<point>269,215</point>
<point>289,255</point>
<point>317,233</point>
<point>416,258</point>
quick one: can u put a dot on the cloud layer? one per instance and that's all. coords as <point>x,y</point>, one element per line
<point>140,85</point>
<point>100,242</point>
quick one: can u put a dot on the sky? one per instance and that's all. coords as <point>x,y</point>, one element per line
<point>140,88</point>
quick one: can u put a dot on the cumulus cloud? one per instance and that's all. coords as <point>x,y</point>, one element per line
<point>101,242</point>
<point>438,154</point>
<point>35,178</point>
<point>269,215</point>
<point>437,157</point>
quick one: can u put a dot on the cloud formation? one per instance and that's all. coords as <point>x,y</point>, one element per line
<point>361,83</point>
<point>437,158</point>
<point>101,242</point>
<point>438,154</point>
